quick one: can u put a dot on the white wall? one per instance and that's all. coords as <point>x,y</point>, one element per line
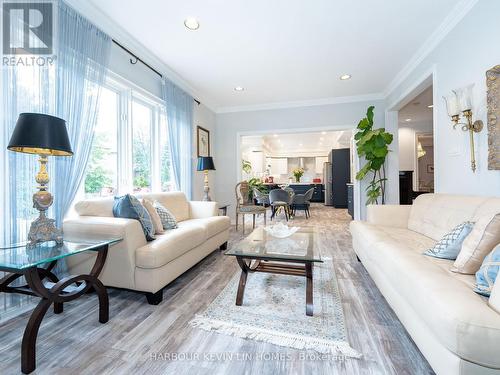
<point>406,149</point>
<point>231,126</point>
<point>462,57</point>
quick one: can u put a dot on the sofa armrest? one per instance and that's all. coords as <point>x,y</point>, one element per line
<point>391,215</point>
<point>201,209</point>
<point>494,300</point>
<point>122,254</point>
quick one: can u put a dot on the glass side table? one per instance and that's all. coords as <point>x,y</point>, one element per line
<point>36,265</point>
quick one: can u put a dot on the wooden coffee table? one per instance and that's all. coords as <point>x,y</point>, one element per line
<point>294,255</point>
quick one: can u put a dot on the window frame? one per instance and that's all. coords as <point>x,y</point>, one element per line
<point>128,92</point>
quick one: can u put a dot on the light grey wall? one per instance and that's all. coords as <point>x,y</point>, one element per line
<point>231,126</point>
<point>462,57</point>
<point>205,118</point>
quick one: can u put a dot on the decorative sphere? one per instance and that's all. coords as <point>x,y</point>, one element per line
<point>42,200</point>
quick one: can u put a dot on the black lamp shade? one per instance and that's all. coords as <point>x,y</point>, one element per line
<point>36,133</point>
<point>205,163</point>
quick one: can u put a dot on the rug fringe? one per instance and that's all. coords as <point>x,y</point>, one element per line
<point>276,338</point>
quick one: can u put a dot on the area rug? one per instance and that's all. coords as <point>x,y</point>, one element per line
<point>273,311</point>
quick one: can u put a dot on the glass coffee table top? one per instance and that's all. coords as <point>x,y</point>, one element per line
<point>19,257</point>
<point>300,246</point>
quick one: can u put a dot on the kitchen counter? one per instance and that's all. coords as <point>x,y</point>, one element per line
<point>293,183</point>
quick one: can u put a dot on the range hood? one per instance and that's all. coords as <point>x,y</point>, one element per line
<point>302,164</point>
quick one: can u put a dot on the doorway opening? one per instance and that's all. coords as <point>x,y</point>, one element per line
<point>416,146</point>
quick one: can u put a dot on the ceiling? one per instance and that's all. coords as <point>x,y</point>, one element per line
<point>418,111</point>
<point>281,50</point>
<point>317,143</point>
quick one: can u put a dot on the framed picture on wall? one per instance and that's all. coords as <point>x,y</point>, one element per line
<point>203,141</point>
<point>430,168</point>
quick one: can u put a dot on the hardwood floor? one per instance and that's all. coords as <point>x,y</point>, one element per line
<point>143,339</point>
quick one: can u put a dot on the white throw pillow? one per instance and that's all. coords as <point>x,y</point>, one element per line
<point>155,218</point>
<point>479,243</point>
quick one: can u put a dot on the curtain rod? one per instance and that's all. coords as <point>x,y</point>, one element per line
<point>137,58</point>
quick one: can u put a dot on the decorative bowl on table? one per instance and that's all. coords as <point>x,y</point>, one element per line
<point>281,230</point>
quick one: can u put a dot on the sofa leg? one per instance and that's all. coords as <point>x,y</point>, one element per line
<point>155,298</point>
<point>223,246</point>
<point>359,260</point>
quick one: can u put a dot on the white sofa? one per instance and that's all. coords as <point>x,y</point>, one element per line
<point>457,330</point>
<point>139,265</point>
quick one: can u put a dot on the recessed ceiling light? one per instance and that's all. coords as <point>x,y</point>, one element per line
<point>275,135</point>
<point>408,120</point>
<point>343,77</point>
<point>300,144</point>
<point>191,23</point>
<point>238,88</point>
<point>323,133</point>
<point>430,106</point>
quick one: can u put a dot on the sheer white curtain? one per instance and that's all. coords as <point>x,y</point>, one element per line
<point>179,107</point>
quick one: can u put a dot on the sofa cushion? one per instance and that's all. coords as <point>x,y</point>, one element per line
<point>434,215</point>
<point>129,207</point>
<point>461,319</point>
<point>155,218</point>
<point>167,219</point>
<point>488,273</point>
<point>449,246</point>
<point>169,246</point>
<point>212,225</point>
<point>483,238</point>
<point>175,202</point>
<point>102,207</point>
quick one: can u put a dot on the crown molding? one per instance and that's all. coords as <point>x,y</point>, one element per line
<point>452,19</point>
<point>106,24</point>
<point>301,103</point>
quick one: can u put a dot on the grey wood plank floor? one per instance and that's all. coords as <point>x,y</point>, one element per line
<point>143,339</point>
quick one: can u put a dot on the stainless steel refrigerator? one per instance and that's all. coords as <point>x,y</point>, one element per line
<point>327,180</point>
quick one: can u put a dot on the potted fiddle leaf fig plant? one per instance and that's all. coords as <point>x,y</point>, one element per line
<point>372,144</point>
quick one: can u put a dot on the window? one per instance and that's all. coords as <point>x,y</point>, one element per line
<point>130,152</point>
<point>102,169</point>
<point>142,118</point>
<point>166,180</point>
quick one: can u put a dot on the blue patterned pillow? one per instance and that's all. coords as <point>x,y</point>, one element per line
<point>167,219</point>
<point>129,207</point>
<point>450,245</point>
<point>487,274</point>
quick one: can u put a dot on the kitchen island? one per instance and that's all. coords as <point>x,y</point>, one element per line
<point>301,188</point>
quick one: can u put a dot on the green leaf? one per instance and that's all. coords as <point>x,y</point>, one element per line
<point>369,114</point>
<point>380,152</point>
<point>388,137</point>
<point>363,171</point>
<point>363,124</point>
<point>377,163</point>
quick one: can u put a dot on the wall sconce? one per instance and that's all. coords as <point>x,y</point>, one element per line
<point>461,101</point>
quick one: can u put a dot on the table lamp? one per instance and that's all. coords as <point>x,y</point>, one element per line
<point>45,135</point>
<point>205,164</point>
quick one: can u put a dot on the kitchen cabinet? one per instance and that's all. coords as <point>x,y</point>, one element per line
<point>320,160</point>
<point>279,166</point>
<point>256,158</point>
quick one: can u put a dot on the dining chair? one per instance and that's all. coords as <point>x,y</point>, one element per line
<point>280,199</point>
<point>303,202</point>
<point>245,206</point>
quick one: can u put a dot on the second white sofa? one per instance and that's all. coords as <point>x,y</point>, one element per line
<point>457,330</point>
<point>144,266</point>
